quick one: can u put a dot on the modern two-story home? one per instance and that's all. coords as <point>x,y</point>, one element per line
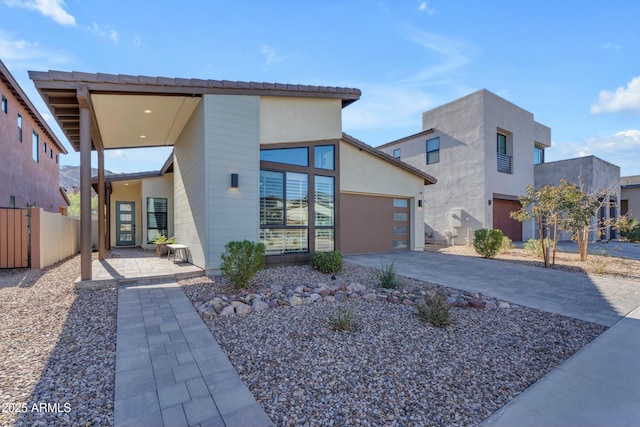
<point>257,161</point>
<point>483,149</point>
<point>29,164</point>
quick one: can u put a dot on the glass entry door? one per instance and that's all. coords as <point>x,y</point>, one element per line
<point>125,224</point>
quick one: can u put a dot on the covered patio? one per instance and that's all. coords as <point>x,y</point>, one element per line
<point>135,265</point>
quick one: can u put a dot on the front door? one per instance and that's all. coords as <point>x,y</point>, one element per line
<point>125,224</point>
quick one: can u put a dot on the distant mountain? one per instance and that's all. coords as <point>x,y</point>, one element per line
<point>70,176</point>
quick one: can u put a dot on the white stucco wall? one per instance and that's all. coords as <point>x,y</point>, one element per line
<point>296,119</point>
<point>189,187</point>
<point>160,187</point>
<point>632,195</point>
<point>364,173</point>
<point>231,146</point>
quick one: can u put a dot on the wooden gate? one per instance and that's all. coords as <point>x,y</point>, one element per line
<point>14,238</point>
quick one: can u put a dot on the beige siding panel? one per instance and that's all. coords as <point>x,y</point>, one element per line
<point>290,119</point>
<point>232,146</point>
<point>363,173</point>
<point>189,187</point>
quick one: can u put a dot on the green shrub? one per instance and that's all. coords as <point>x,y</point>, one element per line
<point>241,261</point>
<point>507,245</point>
<point>344,319</point>
<point>533,247</point>
<point>487,242</point>
<point>388,276</point>
<point>327,262</point>
<point>629,229</point>
<point>435,310</point>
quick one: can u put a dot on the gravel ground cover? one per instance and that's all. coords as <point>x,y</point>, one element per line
<point>392,369</point>
<point>58,349</point>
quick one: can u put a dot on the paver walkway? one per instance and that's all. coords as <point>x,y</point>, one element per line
<point>599,385</point>
<point>170,371</point>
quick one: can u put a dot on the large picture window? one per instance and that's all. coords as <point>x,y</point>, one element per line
<point>298,199</point>
<point>157,209</point>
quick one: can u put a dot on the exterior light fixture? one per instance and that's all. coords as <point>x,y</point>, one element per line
<point>147,111</point>
<point>419,203</point>
<point>234,180</point>
<point>143,136</point>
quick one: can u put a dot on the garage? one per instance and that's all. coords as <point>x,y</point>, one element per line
<point>374,223</point>
<point>502,220</point>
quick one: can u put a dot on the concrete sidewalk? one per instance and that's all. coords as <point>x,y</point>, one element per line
<point>170,371</point>
<point>599,385</point>
<point>591,298</point>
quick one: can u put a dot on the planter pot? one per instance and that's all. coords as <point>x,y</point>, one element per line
<point>161,249</point>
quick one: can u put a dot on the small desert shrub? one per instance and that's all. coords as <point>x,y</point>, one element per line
<point>507,245</point>
<point>487,242</point>
<point>344,319</point>
<point>388,276</point>
<point>600,264</point>
<point>533,247</point>
<point>241,261</point>
<point>327,262</point>
<point>435,310</point>
<point>629,229</point>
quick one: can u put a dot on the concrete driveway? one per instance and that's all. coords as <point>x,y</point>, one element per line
<point>600,384</point>
<point>595,299</point>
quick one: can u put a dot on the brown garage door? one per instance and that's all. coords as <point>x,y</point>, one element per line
<point>371,224</point>
<point>503,221</point>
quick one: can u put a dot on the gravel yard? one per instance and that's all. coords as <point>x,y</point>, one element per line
<point>58,349</point>
<point>393,369</point>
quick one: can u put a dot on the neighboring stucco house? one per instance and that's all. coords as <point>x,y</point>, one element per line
<point>29,164</point>
<point>596,177</point>
<point>483,149</point>
<point>257,161</point>
<point>630,196</point>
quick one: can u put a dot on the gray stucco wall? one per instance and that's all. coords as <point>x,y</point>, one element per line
<point>467,172</point>
<point>597,176</point>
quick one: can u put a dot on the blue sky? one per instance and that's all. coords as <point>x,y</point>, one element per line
<point>574,65</point>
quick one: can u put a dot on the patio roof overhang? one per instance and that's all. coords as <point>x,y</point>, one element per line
<point>139,111</point>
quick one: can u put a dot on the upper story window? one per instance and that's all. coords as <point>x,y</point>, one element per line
<point>19,128</point>
<point>502,144</point>
<point>538,155</point>
<point>35,147</point>
<point>45,146</point>
<point>433,150</point>
<point>288,156</point>
<point>4,104</point>
<point>396,153</point>
<point>504,149</point>
<point>324,157</point>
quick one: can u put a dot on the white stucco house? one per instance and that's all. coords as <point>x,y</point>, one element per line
<point>258,161</point>
<point>483,149</point>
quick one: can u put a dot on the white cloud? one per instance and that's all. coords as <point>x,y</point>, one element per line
<point>137,40</point>
<point>424,7</point>
<point>54,9</point>
<point>106,32</point>
<point>454,54</point>
<point>20,54</point>
<point>622,99</point>
<point>621,148</point>
<point>611,46</point>
<point>270,54</point>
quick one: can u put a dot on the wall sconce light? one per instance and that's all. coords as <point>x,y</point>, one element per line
<point>234,180</point>
<point>419,203</point>
<point>489,202</point>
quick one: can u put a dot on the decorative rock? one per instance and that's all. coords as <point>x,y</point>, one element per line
<point>408,301</point>
<point>329,298</point>
<point>356,287</point>
<point>339,296</point>
<point>295,300</point>
<point>218,307</point>
<point>370,297</point>
<point>259,305</point>
<point>228,311</point>
<point>236,303</point>
<point>324,292</point>
<point>315,297</point>
<point>504,304</point>
<point>393,299</point>
<point>244,309</point>
<point>491,306</point>
<point>477,303</point>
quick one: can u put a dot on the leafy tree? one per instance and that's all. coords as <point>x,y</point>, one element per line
<point>74,208</point>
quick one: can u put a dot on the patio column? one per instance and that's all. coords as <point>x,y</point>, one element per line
<point>85,183</point>
<point>101,206</point>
